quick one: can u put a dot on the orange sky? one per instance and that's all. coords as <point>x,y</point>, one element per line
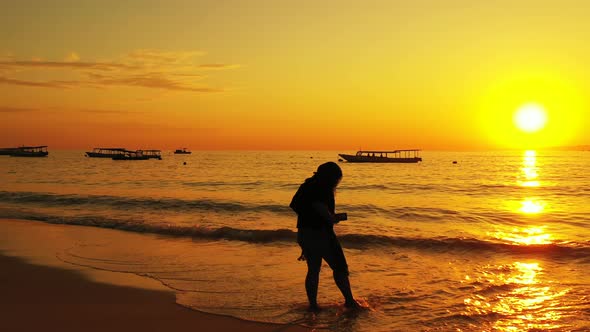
<point>292,74</point>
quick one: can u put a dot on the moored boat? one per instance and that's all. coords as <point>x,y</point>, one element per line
<point>131,155</point>
<point>182,151</point>
<point>7,151</point>
<point>30,151</point>
<point>105,152</point>
<point>152,154</point>
<point>394,156</point>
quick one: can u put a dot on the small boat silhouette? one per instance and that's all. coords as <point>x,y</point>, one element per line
<point>395,156</point>
<point>182,151</point>
<point>30,151</point>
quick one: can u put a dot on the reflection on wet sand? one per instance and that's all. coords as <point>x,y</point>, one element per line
<point>517,297</point>
<point>529,305</point>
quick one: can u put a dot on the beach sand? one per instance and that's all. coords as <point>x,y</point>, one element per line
<point>48,298</point>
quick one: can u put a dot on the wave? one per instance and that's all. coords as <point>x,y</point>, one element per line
<point>217,206</point>
<point>143,203</point>
<point>177,205</point>
<point>467,245</point>
<point>563,250</point>
<point>214,184</point>
<point>365,187</point>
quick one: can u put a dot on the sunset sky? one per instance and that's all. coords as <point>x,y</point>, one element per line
<point>311,75</point>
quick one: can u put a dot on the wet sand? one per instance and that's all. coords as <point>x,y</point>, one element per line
<point>49,298</point>
<point>39,298</point>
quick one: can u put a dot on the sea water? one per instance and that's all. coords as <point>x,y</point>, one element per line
<point>496,241</point>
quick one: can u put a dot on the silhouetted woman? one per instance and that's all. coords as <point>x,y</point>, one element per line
<point>314,204</point>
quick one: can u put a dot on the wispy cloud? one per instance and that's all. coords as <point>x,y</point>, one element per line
<point>158,56</point>
<point>156,81</point>
<point>46,84</point>
<point>119,112</point>
<point>39,64</point>
<point>151,69</point>
<point>72,57</point>
<point>11,109</point>
<point>5,56</point>
<point>218,66</point>
<point>8,109</point>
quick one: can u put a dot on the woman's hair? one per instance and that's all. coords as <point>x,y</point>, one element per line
<point>328,174</point>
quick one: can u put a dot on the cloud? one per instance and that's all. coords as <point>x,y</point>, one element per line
<point>72,57</point>
<point>158,56</point>
<point>150,69</point>
<point>48,84</point>
<point>218,66</point>
<point>9,109</point>
<point>40,64</point>
<point>110,111</point>
<point>154,81</point>
<point>188,75</point>
<point>5,56</point>
<point>147,80</point>
<point>143,81</point>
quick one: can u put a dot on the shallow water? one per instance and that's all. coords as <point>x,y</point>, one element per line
<point>498,241</point>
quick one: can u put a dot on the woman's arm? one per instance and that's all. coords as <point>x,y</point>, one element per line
<point>324,212</point>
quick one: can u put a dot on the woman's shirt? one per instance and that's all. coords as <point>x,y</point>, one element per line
<point>305,203</point>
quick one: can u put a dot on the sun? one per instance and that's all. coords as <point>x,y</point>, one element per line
<point>530,117</point>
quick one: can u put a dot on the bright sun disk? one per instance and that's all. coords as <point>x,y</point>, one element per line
<point>530,118</point>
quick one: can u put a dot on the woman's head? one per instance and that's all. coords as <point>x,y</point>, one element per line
<point>329,174</point>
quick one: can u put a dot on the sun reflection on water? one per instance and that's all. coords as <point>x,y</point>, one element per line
<point>524,236</point>
<point>531,206</point>
<point>530,183</point>
<point>529,177</point>
<point>529,170</point>
<point>515,294</point>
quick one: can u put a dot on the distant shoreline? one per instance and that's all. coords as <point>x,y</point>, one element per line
<point>170,151</point>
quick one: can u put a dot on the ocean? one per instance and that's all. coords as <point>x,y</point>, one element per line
<point>498,241</point>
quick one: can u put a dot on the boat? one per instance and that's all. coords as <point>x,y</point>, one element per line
<point>30,151</point>
<point>394,156</point>
<point>152,154</point>
<point>105,152</point>
<point>7,151</point>
<point>131,155</point>
<point>182,151</point>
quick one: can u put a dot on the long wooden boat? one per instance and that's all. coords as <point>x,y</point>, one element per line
<point>30,151</point>
<point>395,156</point>
<point>7,151</point>
<point>105,152</point>
<point>182,151</point>
<point>151,154</point>
<point>131,155</point>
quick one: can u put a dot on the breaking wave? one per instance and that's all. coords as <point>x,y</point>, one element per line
<point>208,205</point>
<point>360,241</point>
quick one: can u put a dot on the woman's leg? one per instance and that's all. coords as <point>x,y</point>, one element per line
<point>335,258</point>
<point>311,243</point>
<point>312,280</point>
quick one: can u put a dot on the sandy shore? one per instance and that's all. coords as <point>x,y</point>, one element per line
<point>48,298</point>
<point>39,298</point>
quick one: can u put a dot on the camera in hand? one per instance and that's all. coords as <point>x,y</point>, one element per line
<point>341,216</point>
